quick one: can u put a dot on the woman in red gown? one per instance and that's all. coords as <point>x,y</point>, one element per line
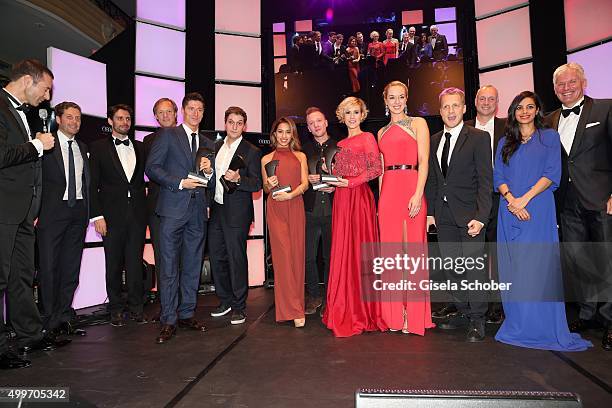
<point>402,209</point>
<point>352,53</point>
<point>286,220</point>
<point>353,223</point>
<point>391,46</point>
<point>376,49</point>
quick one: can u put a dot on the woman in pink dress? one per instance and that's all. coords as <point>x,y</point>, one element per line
<point>353,224</point>
<point>391,46</point>
<point>402,210</point>
<point>376,49</point>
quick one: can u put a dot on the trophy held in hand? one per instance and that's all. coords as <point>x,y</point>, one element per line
<point>198,175</point>
<point>236,164</point>
<point>314,167</point>
<point>271,167</point>
<point>328,155</point>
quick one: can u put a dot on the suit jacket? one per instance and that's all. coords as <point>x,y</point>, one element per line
<point>169,162</point>
<point>499,128</point>
<point>20,173</point>
<point>152,188</point>
<point>109,186</point>
<point>240,202</point>
<point>589,162</point>
<point>409,54</point>
<point>469,179</point>
<point>54,180</point>
<point>440,49</point>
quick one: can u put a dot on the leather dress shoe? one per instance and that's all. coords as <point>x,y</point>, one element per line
<point>137,317</point>
<point>580,325</point>
<point>47,343</point>
<point>117,319</point>
<point>495,317</point>
<point>166,333</point>
<point>312,305</point>
<point>606,341</point>
<point>446,312</point>
<point>191,324</point>
<point>476,331</point>
<point>10,360</point>
<point>453,323</point>
<point>68,329</point>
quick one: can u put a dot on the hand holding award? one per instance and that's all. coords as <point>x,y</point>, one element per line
<point>271,167</point>
<point>236,164</point>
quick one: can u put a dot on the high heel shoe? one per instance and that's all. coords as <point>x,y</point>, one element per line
<point>299,322</point>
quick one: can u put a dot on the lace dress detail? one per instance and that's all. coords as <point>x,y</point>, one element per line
<point>405,123</point>
<point>358,160</point>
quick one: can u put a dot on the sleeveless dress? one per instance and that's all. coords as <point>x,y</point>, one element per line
<point>399,233</point>
<point>286,225</point>
<point>353,224</point>
<point>390,47</point>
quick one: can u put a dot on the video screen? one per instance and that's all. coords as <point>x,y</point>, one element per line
<point>325,65</point>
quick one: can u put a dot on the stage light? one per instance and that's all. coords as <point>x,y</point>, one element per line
<point>329,14</point>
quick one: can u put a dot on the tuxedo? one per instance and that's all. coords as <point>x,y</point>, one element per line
<point>229,226</point>
<point>20,175</point>
<point>408,53</point>
<point>584,189</point>
<point>151,200</point>
<point>61,231</point>
<point>183,214</point>
<point>440,47</point>
<point>121,202</point>
<point>463,195</point>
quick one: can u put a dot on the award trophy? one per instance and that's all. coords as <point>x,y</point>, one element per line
<point>314,167</point>
<point>199,175</point>
<point>329,154</point>
<point>271,167</point>
<point>236,164</point>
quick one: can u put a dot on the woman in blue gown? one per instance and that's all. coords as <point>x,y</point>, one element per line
<point>526,172</point>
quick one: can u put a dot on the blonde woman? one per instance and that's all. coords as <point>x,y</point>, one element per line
<point>390,45</point>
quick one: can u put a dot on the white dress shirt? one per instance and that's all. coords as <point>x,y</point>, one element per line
<point>127,157</point>
<point>222,162</point>
<point>567,126</point>
<point>37,143</point>
<point>78,164</point>
<point>453,140</point>
<point>488,127</point>
<point>189,132</point>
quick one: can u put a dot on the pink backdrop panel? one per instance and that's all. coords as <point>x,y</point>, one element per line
<point>242,66</point>
<point>586,22</point>
<point>238,16</point>
<point>247,97</point>
<point>278,62</point>
<point>509,83</point>
<point>92,280</point>
<point>280,45</point>
<point>484,7</point>
<point>170,13</point>
<point>303,26</point>
<point>255,254</point>
<point>412,17</point>
<point>150,40</point>
<point>79,80</point>
<point>149,90</point>
<point>503,38</point>
<point>598,74</point>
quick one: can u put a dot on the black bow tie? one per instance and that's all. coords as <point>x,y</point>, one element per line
<point>575,109</point>
<point>23,107</point>
<point>125,142</point>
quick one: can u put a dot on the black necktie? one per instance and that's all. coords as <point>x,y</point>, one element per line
<point>71,176</point>
<point>445,150</point>
<point>194,149</point>
<point>575,109</point>
<point>125,142</point>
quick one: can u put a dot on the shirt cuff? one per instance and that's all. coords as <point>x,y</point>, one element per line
<point>38,145</point>
<point>181,185</point>
<point>94,219</point>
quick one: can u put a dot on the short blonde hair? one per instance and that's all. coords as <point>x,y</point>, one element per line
<point>295,144</point>
<point>395,83</point>
<point>374,33</point>
<point>389,30</point>
<point>350,101</point>
<point>452,91</point>
<point>569,66</point>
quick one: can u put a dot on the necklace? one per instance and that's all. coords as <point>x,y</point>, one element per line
<point>525,140</point>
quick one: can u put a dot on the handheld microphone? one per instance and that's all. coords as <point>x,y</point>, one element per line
<point>43,115</point>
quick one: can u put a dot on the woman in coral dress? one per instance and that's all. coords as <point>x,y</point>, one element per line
<point>402,210</point>
<point>352,53</point>
<point>286,220</point>
<point>349,311</point>
<point>391,46</point>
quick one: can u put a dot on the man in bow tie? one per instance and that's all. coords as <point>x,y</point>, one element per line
<point>584,197</point>
<point>117,208</point>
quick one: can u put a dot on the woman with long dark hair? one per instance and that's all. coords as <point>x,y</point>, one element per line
<point>527,170</point>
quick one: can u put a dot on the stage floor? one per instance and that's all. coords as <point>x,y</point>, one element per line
<point>265,364</point>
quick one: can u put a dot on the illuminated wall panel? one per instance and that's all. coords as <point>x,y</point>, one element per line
<point>504,38</point>
<point>598,74</point>
<point>587,21</point>
<point>509,82</point>
<point>445,14</point>
<point>169,13</point>
<point>280,45</point>
<point>148,91</point>
<point>255,255</point>
<point>412,17</point>
<point>92,279</point>
<point>150,40</point>
<point>243,66</point>
<point>449,30</point>
<point>485,7</point>
<point>238,16</point>
<point>303,26</point>
<point>247,97</point>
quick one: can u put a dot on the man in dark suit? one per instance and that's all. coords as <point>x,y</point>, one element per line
<point>584,197</point>
<point>183,208</point>
<point>231,216</point>
<point>20,189</point>
<point>438,44</point>
<point>458,193</point>
<point>407,50</point>
<point>318,207</point>
<point>487,100</point>
<point>117,207</point>
<point>63,220</point>
<point>165,111</point>
<point>338,52</point>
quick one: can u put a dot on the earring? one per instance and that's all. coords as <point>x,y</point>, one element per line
<point>386,110</point>
<point>406,109</point>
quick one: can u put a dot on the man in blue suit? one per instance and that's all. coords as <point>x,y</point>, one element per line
<point>182,207</point>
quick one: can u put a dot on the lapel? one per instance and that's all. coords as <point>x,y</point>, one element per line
<point>83,148</point>
<point>15,114</point>
<point>138,163</point>
<point>57,154</point>
<point>499,127</point>
<point>183,136</point>
<point>461,139</point>
<point>115,159</point>
<point>435,143</point>
<point>584,118</point>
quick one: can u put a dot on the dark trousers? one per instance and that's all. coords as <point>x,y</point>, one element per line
<point>228,258</point>
<point>455,243</point>
<point>16,277</point>
<point>123,248</point>
<point>181,240</point>
<point>587,256</point>
<point>317,228</point>
<point>154,222</point>
<point>60,248</point>
<point>495,305</point>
